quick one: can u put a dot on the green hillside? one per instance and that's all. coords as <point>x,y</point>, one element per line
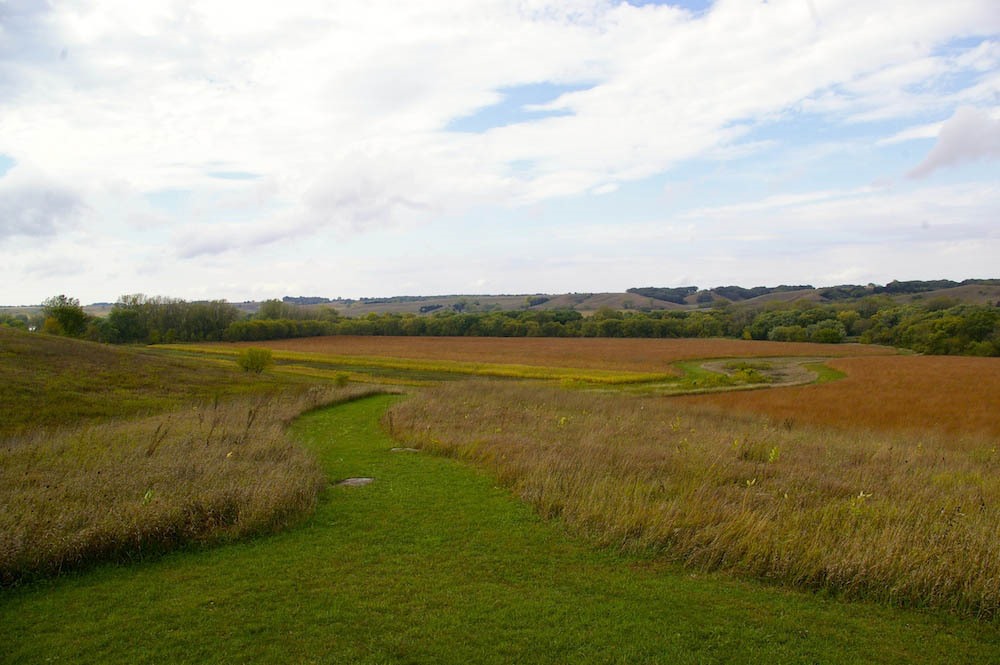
<point>46,380</point>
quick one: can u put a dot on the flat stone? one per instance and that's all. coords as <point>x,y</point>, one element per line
<point>355,482</point>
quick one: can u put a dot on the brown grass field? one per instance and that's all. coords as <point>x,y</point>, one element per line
<point>950,394</point>
<point>640,355</point>
<point>882,391</point>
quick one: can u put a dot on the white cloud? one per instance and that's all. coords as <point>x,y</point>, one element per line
<point>289,89</point>
<point>968,136</point>
<point>341,107</point>
<point>32,205</point>
<point>927,131</point>
<point>607,188</point>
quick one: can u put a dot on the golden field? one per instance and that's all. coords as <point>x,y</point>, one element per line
<point>882,390</point>
<point>636,355</point>
<point>950,394</point>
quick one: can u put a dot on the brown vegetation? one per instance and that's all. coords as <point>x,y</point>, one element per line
<point>902,519</point>
<point>642,355</point>
<point>953,395</point>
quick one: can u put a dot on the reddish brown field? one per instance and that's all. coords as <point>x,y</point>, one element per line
<point>955,395</point>
<point>882,391</point>
<point>641,355</point>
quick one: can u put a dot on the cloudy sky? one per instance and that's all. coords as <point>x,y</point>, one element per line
<point>248,150</point>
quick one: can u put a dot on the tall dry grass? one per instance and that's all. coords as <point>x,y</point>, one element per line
<point>905,520</point>
<point>220,470</point>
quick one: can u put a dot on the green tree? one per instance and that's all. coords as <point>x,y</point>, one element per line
<point>129,319</point>
<point>828,331</point>
<point>788,334</point>
<point>14,321</point>
<point>64,316</point>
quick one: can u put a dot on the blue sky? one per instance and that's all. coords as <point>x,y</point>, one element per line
<point>251,150</point>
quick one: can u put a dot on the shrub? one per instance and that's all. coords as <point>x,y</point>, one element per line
<point>255,360</point>
<point>64,316</point>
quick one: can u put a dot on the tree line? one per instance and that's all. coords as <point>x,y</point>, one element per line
<point>937,326</point>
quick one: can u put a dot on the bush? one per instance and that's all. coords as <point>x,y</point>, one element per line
<point>788,334</point>
<point>255,360</point>
<point>64,316</point>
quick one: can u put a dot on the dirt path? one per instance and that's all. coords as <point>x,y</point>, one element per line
<point>779,371</point>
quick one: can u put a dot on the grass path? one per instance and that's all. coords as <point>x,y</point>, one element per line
<point>433,564</point>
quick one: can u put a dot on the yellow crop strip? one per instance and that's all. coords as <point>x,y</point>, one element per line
<point>354,377</point>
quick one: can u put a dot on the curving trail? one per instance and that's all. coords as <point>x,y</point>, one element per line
<point>431,563</point>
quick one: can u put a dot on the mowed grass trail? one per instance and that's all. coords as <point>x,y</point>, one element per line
<point>433,564</point>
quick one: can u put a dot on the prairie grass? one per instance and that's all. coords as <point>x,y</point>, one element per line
<point>948,394</point>
<point>340,376</point>
<point>902,519</point>
<point>121,490</point>
<point>433,563</point>
<point>635,355</point>
<point>440,368</point>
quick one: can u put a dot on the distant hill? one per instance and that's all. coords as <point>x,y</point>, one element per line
<point>975,294</point>
<point>648,298</point>
<point>986,291</point>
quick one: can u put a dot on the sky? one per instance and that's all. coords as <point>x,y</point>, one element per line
<point>246,150</point>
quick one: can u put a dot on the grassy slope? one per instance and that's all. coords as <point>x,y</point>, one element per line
<point>84,479</point>
<point>432,563</point>
<point>51,381</point>
<point>976,294</point>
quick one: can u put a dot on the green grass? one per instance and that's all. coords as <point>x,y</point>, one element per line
<point>697,377</point>
<point>824,373</point>
<point>694,378</point>
<point>434,564</point>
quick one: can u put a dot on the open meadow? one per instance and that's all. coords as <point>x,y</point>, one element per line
<point>634,355</point>
<point>955,395</point>
<point>666,366</point>
<point>579,516</point>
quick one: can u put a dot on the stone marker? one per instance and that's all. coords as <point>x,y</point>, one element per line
<point>355,482</point>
